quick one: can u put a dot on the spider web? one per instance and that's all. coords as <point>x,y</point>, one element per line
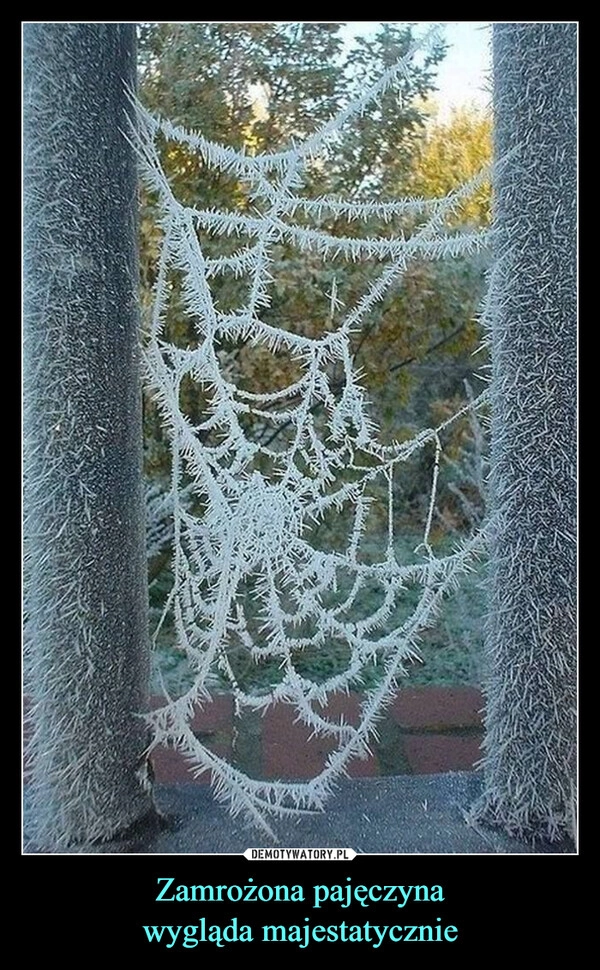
<point>249,574</point>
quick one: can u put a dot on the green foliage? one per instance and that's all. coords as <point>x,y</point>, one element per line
<point>376,156</point>
<point>259,86</point>
<point>431,331</point>
<point>452,152</point>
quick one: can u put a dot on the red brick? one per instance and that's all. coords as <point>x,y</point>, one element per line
<point>213,723</point>
<point>437,708</point>
<point>215,714</point>
<point>288,752</point>
<point>346,704</point>
<point>170,767</point>
<point>430,754</point>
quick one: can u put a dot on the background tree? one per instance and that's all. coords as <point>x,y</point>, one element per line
<point>441,305</point>
<point>452,152</point>
<point>260,86</point>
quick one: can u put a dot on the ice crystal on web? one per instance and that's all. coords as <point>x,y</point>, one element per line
<point>248,573</point>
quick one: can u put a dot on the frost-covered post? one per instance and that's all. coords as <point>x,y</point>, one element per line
<point>530,744</point>
<point>86,575</point>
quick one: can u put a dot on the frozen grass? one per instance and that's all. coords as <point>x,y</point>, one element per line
<point>451,649</point>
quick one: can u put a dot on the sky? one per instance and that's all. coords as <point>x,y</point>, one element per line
<point>463,75</point>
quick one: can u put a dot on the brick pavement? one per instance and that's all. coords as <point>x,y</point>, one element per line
<point>426,730</point>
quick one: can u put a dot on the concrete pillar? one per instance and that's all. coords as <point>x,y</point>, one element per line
<point>530,748</point>
<point>86,589</point>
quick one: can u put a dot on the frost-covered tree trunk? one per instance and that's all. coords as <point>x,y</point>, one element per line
<point>86,575</point>
<point>530,746</point>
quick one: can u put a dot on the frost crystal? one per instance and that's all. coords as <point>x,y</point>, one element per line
<point>248,572</point>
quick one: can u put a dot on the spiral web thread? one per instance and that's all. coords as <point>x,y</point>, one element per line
<point>246,574</point>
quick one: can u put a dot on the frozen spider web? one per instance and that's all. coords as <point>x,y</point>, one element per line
<point>248,574</point>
